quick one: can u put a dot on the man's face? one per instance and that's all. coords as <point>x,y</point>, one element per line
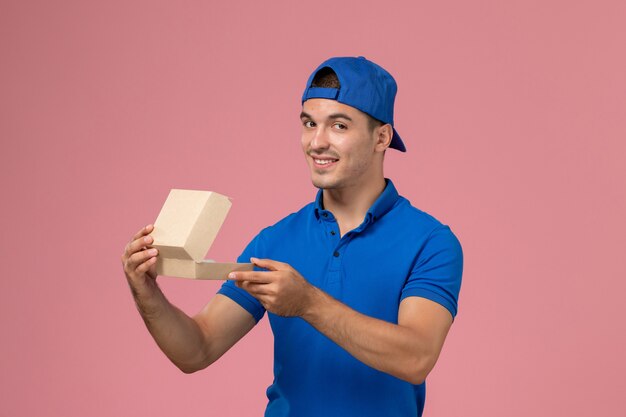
<point>340,148</point>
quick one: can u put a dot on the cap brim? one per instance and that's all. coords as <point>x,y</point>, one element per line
<point>396,142</point>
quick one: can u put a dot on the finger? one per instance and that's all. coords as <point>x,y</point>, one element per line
<point>269,264</point>
<point>144,231</point>
<point>138,245</point>
<point>139,258</point>
<point>254,288</point>
<point>144,267</point>
<point>253,276</point>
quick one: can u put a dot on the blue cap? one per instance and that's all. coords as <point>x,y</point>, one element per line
<point>364,85</point>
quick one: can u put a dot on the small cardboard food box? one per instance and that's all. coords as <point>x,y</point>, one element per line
<point>184,231</point>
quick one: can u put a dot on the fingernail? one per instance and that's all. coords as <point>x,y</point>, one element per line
<point>152,252</point>
<point>147,239</point>
<point>232,275</point>
<point>253,260</point>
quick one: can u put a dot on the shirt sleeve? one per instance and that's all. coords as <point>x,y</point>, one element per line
<point>438,270</point>
<point>239,295</point>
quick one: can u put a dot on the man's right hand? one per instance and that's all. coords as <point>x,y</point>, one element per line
<point>139,261</point>
<point>190,343</point>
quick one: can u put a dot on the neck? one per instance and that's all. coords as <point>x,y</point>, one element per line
<point>349,205</point>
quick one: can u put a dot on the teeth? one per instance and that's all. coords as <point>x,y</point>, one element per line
<point>323,161</point>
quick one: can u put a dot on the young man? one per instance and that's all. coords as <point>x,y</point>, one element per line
<point>360,287</point>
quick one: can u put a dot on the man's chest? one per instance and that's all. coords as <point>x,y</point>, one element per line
<point>363,272</point>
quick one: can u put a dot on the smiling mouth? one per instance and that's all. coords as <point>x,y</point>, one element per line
<point>324,162</point>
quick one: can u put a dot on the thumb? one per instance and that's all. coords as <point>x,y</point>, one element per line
<point>268,264</point>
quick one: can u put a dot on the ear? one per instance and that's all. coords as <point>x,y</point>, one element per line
<point>384,134</point>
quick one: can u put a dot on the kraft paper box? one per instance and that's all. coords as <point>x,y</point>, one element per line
<point>184,231</point>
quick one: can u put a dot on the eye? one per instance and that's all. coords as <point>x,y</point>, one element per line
<point>340,126</point>
<point>308,123</point>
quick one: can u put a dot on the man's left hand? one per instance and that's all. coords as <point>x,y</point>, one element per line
<point>280,289</point>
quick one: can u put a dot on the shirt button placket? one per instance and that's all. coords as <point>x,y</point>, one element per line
<point>335,259</point>
<point>334,268</point>
<point>334,273</point>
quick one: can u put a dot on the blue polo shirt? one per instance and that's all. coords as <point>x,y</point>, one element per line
<point>398,251</point>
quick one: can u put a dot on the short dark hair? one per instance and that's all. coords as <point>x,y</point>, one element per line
<point>326,78</point>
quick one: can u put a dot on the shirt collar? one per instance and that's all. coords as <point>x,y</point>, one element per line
<point>382,205</point>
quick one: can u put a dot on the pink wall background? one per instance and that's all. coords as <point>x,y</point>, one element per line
<point>514,116</point>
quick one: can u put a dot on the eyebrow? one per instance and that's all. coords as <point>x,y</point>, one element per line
<point>305,115</point>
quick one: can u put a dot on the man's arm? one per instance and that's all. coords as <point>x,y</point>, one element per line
<point>191,343</point>
<point>407,350</point>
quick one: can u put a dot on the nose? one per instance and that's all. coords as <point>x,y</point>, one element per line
<point>319,139</point>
